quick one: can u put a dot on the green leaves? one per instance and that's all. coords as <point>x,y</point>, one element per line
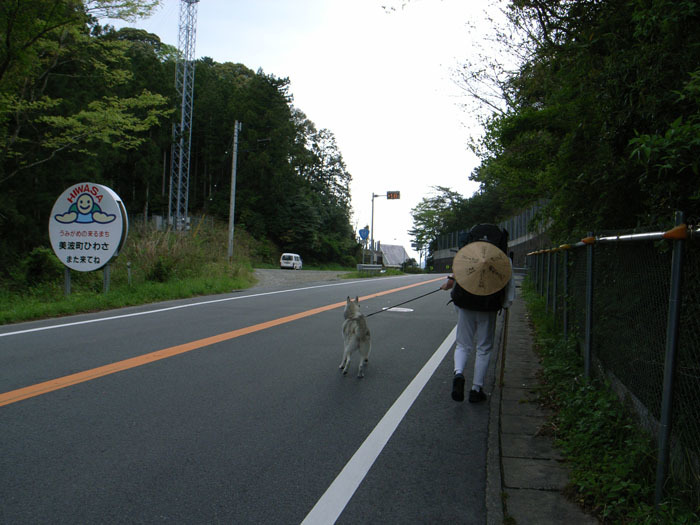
<point>118,122</point>
<point>435,215</point>
<point>128,10</point>
<point>675,150</point>
<point>604,113</point>
<point>68,98</point>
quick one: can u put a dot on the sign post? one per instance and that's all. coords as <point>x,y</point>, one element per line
<point>87,228</point>
<point>364,233</point>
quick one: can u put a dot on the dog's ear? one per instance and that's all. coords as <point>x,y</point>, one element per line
<point>348,299</point>
<point>357,299</point>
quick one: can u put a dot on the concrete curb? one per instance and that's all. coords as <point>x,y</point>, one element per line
<point>524,469</point>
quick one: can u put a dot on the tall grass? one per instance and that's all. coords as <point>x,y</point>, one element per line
<point>612,460</point>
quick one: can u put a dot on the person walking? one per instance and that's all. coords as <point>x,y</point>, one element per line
<point>481,285</point>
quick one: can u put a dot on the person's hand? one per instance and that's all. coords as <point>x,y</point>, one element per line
<point>448,284</point>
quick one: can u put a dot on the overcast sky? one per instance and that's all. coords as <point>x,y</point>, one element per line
<point>382,81</point>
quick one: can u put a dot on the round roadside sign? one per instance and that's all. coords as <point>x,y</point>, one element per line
<point>88,226</point>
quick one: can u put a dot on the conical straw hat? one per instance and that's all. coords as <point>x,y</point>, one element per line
<point>481,268</point>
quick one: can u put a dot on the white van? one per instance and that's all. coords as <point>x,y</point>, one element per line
<point>290,260</point>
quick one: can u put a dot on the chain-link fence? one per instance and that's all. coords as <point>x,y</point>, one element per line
<point>614,293</point>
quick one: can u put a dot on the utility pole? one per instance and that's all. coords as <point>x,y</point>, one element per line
<point>236,128</point>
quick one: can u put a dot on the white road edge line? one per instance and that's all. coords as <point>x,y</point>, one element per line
<point>136,314</point>
<point>335,499</point>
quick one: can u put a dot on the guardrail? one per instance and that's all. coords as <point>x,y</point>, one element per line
<point>369,268</point>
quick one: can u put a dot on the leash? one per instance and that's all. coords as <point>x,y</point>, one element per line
<point>389,308</point>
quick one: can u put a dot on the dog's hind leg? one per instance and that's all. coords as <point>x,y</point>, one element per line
<point>345,362</point>
<point>361,370</point>
<point>364,349</point>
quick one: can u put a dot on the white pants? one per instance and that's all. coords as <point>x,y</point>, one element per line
<point>474,328</point>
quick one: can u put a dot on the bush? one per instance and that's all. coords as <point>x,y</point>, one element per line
<point>161,271</point>
<point>41,265</point>
<point>348,262</point>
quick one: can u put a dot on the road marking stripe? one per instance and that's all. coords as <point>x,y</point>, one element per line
<point>178,307</point>
<point>328,509</point>
<point>21,394</point>
<point>169,308</point>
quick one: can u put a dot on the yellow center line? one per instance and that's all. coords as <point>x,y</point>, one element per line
<point>20,394</point>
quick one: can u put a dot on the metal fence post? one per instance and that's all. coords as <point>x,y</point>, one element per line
<point>549,280</point>
<point>542,273</point>
<point>105,278</point>
<point>555,286</point>
<point>527,265</point>
<point>587,351</point>
<point>533,272</point>
<point>674,310</point>
<point>565,296</point>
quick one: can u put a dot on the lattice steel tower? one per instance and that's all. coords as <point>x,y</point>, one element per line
<point>182,131</point>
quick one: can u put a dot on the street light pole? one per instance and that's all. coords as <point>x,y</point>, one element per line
<point>371,241</point>
<point>388,195</point>
<point>371,238</point>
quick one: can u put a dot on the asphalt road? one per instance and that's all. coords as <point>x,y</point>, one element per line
<point>231,409</point>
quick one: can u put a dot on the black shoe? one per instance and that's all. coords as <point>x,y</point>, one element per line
<point>458,387</point>
<point>476,396</point>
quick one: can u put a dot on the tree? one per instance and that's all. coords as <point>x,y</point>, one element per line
<point>601,114</point>
<point>59,99</point>
<point>137,172</point>
<point>435,215</point>
<point>670,157</point>
<point>292,183</point>
<point>45,39</point>
<point>323,176</point>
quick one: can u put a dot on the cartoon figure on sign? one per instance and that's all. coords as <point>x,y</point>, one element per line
<point>85,210</point>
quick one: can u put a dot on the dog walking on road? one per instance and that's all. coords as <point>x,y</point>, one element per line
<point>356,336</point>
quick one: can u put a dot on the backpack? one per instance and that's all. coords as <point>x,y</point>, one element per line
<point>481,303</point>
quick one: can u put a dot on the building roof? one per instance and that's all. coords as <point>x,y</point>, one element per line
<point>394,255</point>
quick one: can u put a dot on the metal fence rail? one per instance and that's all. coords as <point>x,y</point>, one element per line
<point>632,301</point>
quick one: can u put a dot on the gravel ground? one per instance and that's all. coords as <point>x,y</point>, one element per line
<point>292,277</point>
